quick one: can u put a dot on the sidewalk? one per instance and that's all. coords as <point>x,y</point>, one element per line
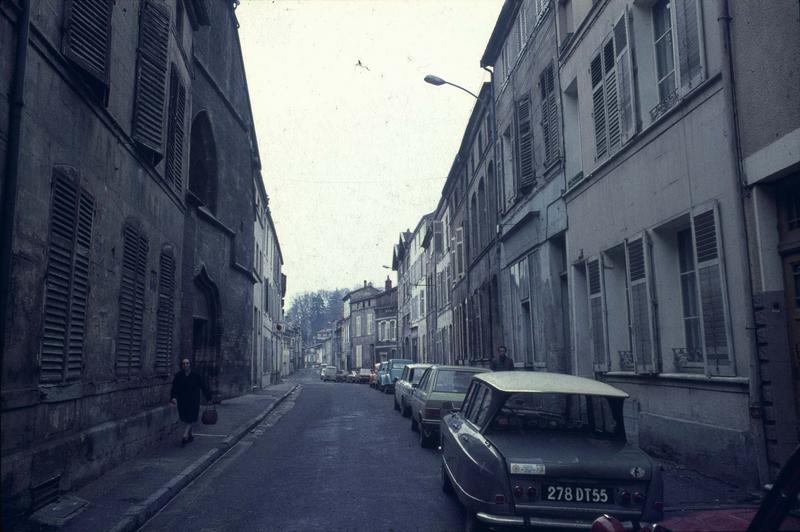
<point>125,497</point>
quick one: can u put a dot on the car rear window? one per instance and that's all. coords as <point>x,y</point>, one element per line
<point>417,375</point>
<point>453,381</point>
<point>592,416</point>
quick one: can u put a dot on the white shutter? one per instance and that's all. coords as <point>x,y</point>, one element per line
<point>597,314</point>
<point>598,106</point>
<point>687,30</point>
<point>642,318</point>
<point>611,96</point>
<point>712,295</point>
<point>625,83</point>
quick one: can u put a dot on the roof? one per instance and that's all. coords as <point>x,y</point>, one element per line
<point>418,365</point>
<point>474,369</point>
<point>542,382</point>
<point>501,28</point>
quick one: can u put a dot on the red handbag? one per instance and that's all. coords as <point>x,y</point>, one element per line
<point>209,416</point>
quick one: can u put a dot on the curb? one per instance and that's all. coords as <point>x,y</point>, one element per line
<point>137,515</point>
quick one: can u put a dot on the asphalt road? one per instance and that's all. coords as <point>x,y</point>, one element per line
<point>333,456</point>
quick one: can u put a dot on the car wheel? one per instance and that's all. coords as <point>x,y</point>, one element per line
<point>425,438</point>
<point>405,411</point>
<point>396,406</point>
<point>447,485</point>
<point>414,425</point>
<point>386,389</point>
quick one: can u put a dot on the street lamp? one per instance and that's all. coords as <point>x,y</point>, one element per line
<point>436,80</point>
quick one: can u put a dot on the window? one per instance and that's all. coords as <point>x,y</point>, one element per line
<point>87,39</point>
<point>173,171</point>
<point>524,144</point>
<point>677,42</point>
<point>165,313</point>
<point>642,310</point>
<point>358,326</point>
<point>550,116</point>
<point>369,323</point>
<point>483,222</point>
<point>693,352</point>
<point>597,323</point>
<point>151,79</point>
<point>460,252</point>
<point>612,91</point>
<point>359,356</point>
<point>67,279</point>
<point>473,216</point>
<point>131,299</point>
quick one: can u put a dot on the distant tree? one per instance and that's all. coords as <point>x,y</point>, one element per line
<point>313,311</point>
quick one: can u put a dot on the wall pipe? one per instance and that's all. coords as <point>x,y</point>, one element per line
<point>9,204</point>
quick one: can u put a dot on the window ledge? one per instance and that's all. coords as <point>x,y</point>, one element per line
<point>680,376</point>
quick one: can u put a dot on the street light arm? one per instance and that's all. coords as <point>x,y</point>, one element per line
<point>463,89</point>
<point>436,80</point>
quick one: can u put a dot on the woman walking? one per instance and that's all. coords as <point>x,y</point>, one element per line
<point>186,389</point>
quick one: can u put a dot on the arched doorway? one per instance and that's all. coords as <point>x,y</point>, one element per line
<point>206,330</point>
<point>203,162</point>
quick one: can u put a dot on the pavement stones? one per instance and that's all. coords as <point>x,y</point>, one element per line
<point>125,497</point>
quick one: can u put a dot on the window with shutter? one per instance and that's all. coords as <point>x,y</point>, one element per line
<point>597,318</point>
<point>549,115</point>
<point>151,78</point>
<point>598,106</point>
<point>67,279</point>
<point>176,131</point>
<point>687,39</point>
<point>712,297</point>
<point>131,300</point>
<point>611,90</point>
<point>641,305</point>
<point>624,66</point>
<point>165,313</point>
<point>87,36</point>
<point>524,144</point>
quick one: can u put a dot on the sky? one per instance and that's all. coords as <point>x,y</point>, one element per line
<point>355,146</point>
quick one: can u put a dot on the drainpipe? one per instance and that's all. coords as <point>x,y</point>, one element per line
<point>493,301</point>
<point>738,181</point>
<point>9,204</point>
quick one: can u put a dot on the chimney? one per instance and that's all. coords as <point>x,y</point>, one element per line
<point>388,284</point>
<point>365,283</point>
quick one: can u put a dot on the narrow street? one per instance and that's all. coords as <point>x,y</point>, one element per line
<point>334,456</point>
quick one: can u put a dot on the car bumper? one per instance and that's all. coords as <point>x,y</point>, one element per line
<point>539,522</point>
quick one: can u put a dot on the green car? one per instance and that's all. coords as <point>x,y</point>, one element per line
<point>441,390</point>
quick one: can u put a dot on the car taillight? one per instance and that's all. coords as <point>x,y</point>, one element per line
<point>432,413</point>
<point>518,491</point>
<point>499,499</point>
<point>625,497</point>
<point>531,492</point>
<point>638,498</point>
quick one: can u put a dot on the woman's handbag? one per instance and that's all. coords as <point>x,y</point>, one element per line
<point>209,416</point>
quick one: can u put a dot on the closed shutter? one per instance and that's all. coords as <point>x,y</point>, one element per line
<point>67,280</point>
<point>623,47</point>
<point>549,115</point>
<point>598,107</point>
<point>641,304</point>
<point>165,314</point>
<point>612,103</point>
<point>176,131</point>
<point>688,37</point>
<point>709,267</point>
<point>524,143</point>
<point>131,300</point>
<point>151,77</point>
<point>597,314</point>
<point>87,35</point>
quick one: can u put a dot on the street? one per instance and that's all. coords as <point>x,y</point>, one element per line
<point>334,456</point>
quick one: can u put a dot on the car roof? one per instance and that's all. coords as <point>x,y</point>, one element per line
<point>474,369</point>
<point>418,365</point>
<point>543,382</point>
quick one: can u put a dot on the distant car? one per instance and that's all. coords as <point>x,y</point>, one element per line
<point>536,449</point>
<point>410,377</point>
<point>341,376</point>
<point>322,371</point>
<point>329,373</point>
<point>352,376</point>
<point>363,375</point>
<point>440,390</point>
<point>373,378</point>
<point>379,371</point>
<point>391,372</point>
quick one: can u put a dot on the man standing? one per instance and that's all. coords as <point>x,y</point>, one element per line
<point>502,362</point>
<point>186,389</point>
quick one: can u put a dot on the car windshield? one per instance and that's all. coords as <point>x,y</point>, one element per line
<point>417,375</point>
<point>453,381</point>
<point>593,416</point>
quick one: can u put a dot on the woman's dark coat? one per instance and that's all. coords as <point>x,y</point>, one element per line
<point>186,390</point>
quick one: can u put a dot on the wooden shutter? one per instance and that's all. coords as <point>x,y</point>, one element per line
<point>712,295</point>
<point>87,36</point>
<point>624,66</point>
<point>611,96</point>
<point>176,132</point>
<point>688,36</point>
<point>597,313</point>
<point>549,115</point>
<point>165,314</point>
<point>67,279</point>
<point>524,143</point>
<point>151,77</point>
<point>598,106</point>
<point>131,300</point>
<point>641,304</point>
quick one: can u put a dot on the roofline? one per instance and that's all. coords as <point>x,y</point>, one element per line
<point>500,31</point>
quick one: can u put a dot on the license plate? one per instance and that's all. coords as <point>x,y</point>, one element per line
<point>578,494</point>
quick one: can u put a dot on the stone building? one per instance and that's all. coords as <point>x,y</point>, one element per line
<point>127,240</point>
<point>362,326</point>
<point>385,305</point>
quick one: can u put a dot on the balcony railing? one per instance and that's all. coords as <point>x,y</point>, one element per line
<point>626,360</point>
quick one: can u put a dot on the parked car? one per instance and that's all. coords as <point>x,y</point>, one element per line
<point>410,377</point>
<point>391,372</point>
<point>364,375</point>
<point>329,373</point>
<point>322,372</point>
<point>544,449</point>
<point>440,390</point>
<point>341,376</point>
<point>373,378</point>
<point>379,372</point>
<point>352,376</point>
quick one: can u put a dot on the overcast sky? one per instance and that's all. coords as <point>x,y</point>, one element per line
<point>355,146</point>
